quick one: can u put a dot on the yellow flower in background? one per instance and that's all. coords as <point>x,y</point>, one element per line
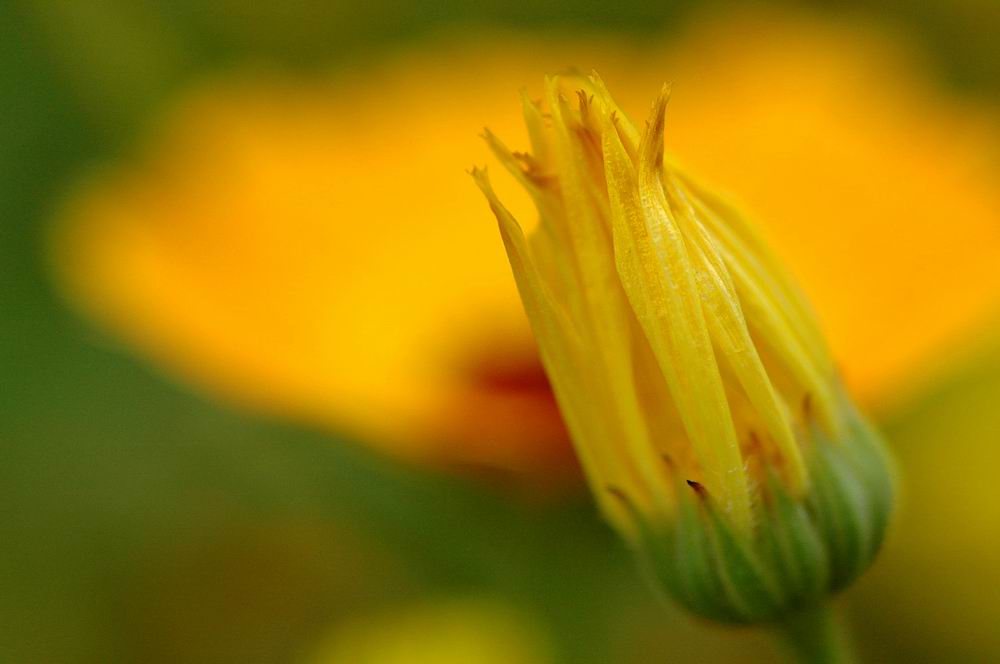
<point>284,249</point>
<point>459,631</point>
<point>293,247</point>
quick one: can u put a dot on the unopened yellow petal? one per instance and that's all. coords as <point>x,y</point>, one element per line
<point>563,354</point>
<point>729,332</point>
<point>676,326</point>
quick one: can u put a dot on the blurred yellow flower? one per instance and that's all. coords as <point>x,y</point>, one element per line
<point>293,247</point>
<point>459,631</point>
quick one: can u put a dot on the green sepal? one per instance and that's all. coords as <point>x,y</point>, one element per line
<point>801,548</point>
<point>793,546</point>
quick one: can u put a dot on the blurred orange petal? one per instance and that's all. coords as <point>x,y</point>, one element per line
<point>317,251</point>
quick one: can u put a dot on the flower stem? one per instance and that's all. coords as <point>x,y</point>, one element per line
<point>815,636</point>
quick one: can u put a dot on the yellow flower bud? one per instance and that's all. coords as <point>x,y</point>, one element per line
<point>698,390</point>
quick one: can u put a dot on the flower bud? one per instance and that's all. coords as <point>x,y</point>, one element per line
<point>700,395</point>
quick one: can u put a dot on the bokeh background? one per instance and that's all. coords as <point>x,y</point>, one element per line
<point>156,506</point>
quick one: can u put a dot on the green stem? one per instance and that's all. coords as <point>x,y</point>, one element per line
<point>815,636</point>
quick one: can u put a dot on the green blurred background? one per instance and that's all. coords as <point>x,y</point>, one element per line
<point>140,523</point>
